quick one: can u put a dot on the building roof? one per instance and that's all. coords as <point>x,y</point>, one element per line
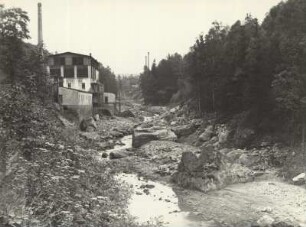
<point>76,54</point>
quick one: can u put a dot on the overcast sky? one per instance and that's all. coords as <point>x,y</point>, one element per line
<point>119,33</point>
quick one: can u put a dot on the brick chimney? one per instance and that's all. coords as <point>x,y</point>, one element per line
<point>40,36</point>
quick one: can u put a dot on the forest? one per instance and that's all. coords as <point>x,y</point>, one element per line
<point>251,68</point>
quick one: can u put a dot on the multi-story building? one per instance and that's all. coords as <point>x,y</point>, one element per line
<point>77,81</point>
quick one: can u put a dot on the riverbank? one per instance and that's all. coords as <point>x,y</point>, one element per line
<point>267,196</point>
<point>235,205</point>
<point>264,194</point>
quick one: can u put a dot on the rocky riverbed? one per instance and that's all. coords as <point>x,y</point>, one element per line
<point>215,185</point>
<point>266,198</point>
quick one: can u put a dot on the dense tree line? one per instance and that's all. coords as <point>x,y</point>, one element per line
<point>108,78</point>
<point>159,83</point>
<point>248,67</point>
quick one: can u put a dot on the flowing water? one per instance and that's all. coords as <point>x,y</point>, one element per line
<point>151,201</point>
<point>157,203</point>
<point>126,143</point>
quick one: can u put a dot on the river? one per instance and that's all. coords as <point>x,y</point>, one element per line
<point>153,201</point>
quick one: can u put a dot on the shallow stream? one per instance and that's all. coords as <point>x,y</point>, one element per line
<point>151,201</point>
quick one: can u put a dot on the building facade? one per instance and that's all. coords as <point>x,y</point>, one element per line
<point>110,103</point>
<point>76,78</point>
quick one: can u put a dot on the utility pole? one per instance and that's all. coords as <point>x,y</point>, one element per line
<point>146,61</point>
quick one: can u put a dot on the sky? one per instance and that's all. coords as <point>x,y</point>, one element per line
<point>119,33</point>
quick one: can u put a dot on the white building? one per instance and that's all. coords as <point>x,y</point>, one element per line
<point>77,78</point>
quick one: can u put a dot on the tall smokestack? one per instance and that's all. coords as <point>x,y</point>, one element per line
<point>149,60</point>
<point>40,36</point>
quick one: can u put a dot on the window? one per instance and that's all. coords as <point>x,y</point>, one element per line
<point>82,71</point>
<point>60,99</point>
<point>59,61</point>
<point>62,61</point>
<point>77,61</point>
<point>55,72</point>
<point>106,99</point>
<point>92,72</point>
<point>83,86</point>
<point>95,88</point>
<point>50,61</point>
<point>69,85</point>
<point>68,72</point>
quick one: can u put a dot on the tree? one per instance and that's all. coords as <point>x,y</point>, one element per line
<point>161,82</point>
<point>108,78</point>
<point>247,68</point>
<point>13,29</point>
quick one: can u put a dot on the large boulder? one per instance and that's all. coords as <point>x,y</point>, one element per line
<point>157,109</point>
<point>188,162</point>
<point>249,160</point>
<point>223,134</point>
<point>299,179</point>
<point>57,107</point>
<point>243,137</point>
<point>234,155</point>
<point>126,113</point>
<point>209,171</point>
<point>66,123</point>
<point>106,145</point>
<point>165,134</point>
<point>96,117</point>
<point>286,223</point>
<point>265,221</point>
<point>184,130</point>
<point>174,109</point>
<point>142,136</point>
<point>119,154</point>
<point>207,134</point>
<point>88,124</point>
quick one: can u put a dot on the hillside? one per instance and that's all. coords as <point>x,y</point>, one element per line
<point>251,71</point>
